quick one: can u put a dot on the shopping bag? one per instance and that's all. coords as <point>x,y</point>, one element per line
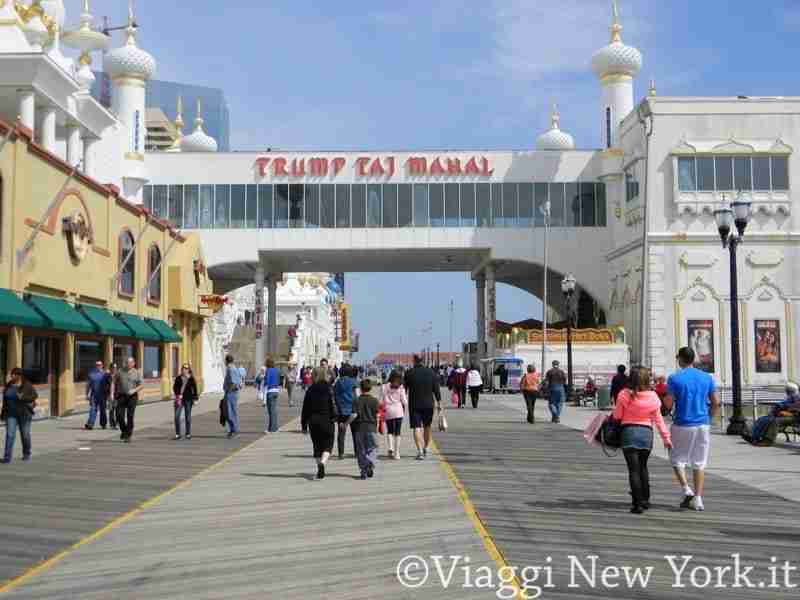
<point>442,422</point>
<point>455,398</point>
<point>590,433</point>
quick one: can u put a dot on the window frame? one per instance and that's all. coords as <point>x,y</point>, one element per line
<point>152,299</point>
<point>127,235</point>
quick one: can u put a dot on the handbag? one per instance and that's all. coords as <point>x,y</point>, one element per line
<point>610,435</point>
<point>456,399</point>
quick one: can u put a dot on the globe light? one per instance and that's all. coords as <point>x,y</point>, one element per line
<point>724,219</point>
<point>741,215</point>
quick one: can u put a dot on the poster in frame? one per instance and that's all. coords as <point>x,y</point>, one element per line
<point>768,345</point>
<point>700,336</point>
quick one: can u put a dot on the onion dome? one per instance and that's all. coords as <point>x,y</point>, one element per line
<point>554,138</point>
<point>130,60</point>
<point>198,141</point>
<point>616,58</point>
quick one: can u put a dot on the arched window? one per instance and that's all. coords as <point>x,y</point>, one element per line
<point>153,263</point>
<point>127,272</point>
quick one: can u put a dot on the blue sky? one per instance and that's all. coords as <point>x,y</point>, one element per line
<point>447,74</point>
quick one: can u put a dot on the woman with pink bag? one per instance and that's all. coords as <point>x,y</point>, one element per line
<point>394,405</point>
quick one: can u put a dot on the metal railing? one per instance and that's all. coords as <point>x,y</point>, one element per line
<point>756,401</point>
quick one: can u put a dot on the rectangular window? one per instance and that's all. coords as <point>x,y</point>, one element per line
<point>421,205</point>
<point>238,206</point>
<point>327,203</point>
<point>497,205</point>
<point>251,218</point>
<point>510,204</point>
<point>631,188</point>
<point>587,205</point>
<point>540,191</point>
<point>436,200</point>
<point>312,207</point>
<point>359,192</point>
<point>405,217</point>
<point>160,200</point>
<point>525,204</point>
<point>780,173</point>
<point>281,206</point>
<point>389,205</point>
<point>265,206</point>
<point>148,197</point>
<point>557,205</point>
<point>761,174</point>
<point>573,205</point>
<point>122,352</point>
<point>451,205</point>
<point>724,169</point>
<point>152,362</point>
<point>206,206</point>
<point>36,359</point>
<point>222,206</point>
<point>687,177</point>
<point>374,201</point>
<point>467,205</point>
<point>484,204</point>
<point>705,174</point>
<point>343,206</point>
<point>176,205</point>
<point>191,199</point>
<point>86,355</point>
<point>296,205</point>
<point>608,127</point>
<point>602,210</point>
<point>743,173</point>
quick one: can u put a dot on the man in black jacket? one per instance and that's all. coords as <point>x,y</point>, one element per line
<point>422,385</point>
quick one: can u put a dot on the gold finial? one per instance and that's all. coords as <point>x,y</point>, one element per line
<point>555,118</point>
<point>199,119</point>
<point>131,29</point>
<point>616,27</point>
<point>652,91</point>
<point>179,119</point>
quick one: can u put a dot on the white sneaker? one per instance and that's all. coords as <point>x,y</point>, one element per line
<point>396,456</point>
<point>266,431</point>
<point>697,504</point>
<point>420,456</point>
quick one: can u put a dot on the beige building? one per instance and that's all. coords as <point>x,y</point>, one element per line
<point>161,132</point>
<point>69,294</point>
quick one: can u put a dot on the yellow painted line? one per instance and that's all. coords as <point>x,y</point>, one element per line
<point>469,508</point>
<point>121,520</point>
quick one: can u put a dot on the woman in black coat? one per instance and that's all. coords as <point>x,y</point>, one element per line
<point>185,393</point>
<point>318,417</point>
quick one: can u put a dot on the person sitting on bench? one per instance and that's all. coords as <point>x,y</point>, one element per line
<point>784,414</point>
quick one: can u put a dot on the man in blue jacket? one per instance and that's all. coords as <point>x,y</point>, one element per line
<point>98,386</point>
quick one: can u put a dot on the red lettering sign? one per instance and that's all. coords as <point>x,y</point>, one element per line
<point>487,172</point>
<point>367,166</point>
<point>318,167</point>
<point>298,167</point>
<point>436,167</point>
<point>361,166</point>
<point>338,165</point>
<point>376,170</point>
<point>417,166</point>
<point>453,166</point>
<point>472,167</point>
<point>279,168</point>
<point>261,166</point>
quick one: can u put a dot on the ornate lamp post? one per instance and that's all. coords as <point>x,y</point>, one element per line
<point>568,289</point>
<point>739,215</point>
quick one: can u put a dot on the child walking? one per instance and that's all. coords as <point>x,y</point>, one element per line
<point>394,404</point>
<point>365,419</point>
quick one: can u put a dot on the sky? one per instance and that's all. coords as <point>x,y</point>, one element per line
<point>447,74</point>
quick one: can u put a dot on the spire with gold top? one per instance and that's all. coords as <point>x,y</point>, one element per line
<point>176,146</point>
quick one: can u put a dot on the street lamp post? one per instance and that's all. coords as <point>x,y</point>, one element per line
<point>737,214</point>
<point>568,288</point>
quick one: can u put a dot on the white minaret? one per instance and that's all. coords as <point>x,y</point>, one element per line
<point>129,68</point>
<point>616,66</point>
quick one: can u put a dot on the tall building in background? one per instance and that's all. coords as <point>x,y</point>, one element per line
<point>164,95</point>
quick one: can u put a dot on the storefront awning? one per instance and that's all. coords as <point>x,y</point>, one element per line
<point>13,311</point>
<point>104,322</point>
<point>59,315</point>
<point>167,333</point>
<point>140,329</point>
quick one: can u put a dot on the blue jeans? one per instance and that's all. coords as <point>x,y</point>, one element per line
<point>271,413</point>
<point>232,400</point>
<point>95,407</point>
<point>24,426</point>
<point>186,409</point>
<point>557,395</point>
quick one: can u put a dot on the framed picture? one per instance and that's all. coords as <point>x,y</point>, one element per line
<point>700,334</point>
<point>768,345</point>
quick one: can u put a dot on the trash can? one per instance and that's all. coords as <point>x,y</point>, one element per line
<point>603,397</point>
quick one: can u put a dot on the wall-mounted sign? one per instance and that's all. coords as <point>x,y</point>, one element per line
<point>259,313</point>
<point>385,167</point>
<point>78,234</point>
<point>700,334</point>
<point>768,346</point>
<point>344,327</point>
<point>579,336</point>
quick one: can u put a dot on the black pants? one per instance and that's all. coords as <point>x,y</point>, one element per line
<point>638,474</point>
<point>126,408</point>
<point>530,404</point>
<point>341,434</point>
<point>462,395</point>
<point>474,395</point>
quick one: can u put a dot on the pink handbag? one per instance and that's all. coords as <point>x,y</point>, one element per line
<point>590,433</point>
<point>455,398</point>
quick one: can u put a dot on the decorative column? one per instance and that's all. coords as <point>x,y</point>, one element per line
<point>88,156</point>
<point>259,317</point>
<point>272,315</point>
<point>480,289</point>
<point>66,376</point>
<point>74,149</point>
<point>491,312</point>
<point>108,352</point>
<point>27,108</point>
<point>48,133</point>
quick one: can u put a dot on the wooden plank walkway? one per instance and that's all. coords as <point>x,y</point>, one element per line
<point>60,497</point>
<point>543,492</point>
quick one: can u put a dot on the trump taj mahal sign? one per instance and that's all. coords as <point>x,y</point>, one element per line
<point>371,166</point>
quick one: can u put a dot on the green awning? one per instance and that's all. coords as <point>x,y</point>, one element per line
<point>140,329</point>
<point>13,311</point>
<point>60,315</point>
<point>104,322</point>
<point>167,333</point>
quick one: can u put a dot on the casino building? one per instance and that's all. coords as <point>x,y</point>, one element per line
<point>632,220</point>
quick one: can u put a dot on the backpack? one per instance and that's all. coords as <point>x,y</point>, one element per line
<point>763,432</point>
